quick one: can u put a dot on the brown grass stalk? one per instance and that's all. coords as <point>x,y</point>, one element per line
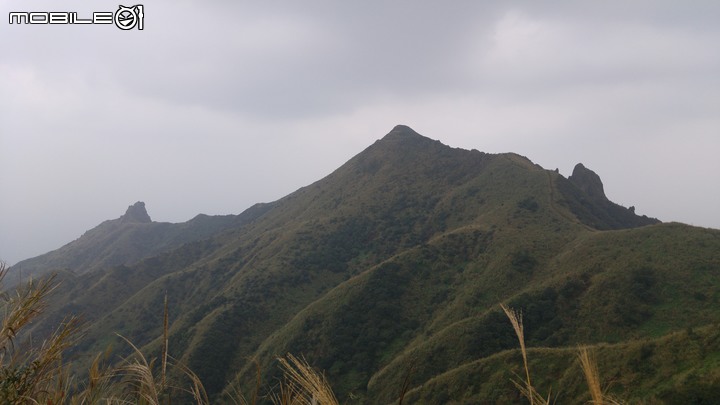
<point>526,387</point>
<point>313,387</point>
<point>289,395</point>
<point>165,342</point>
<point>592,377</point>
<point>21,308</point>
<point>33,374</point>
<point>140,376</point>
<point>197,389</point>
<point>99,386</point>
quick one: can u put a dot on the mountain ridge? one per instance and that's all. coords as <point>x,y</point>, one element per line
<point>404,252</point>
<point>124,240</point>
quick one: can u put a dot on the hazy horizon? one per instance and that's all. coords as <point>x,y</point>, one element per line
<point>215,106</point>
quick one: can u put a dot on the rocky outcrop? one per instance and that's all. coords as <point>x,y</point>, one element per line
<point>588,181</point>
<point>584,195</point>
<point>136,213</point>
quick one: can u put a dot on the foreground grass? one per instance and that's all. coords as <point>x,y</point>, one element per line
<point>587,364</point>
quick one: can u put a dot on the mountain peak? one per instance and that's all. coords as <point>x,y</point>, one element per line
<point>588,181</point>
<point>402,132</point>
<point>136,213</point>
<point>403,136</point>
<point>400,128</point>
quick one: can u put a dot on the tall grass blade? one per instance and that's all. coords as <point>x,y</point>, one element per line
<point>314,388</point>
<point>592,377</point>
<point>526,387</point>
<point>515,318</point>
<point>164,343</point>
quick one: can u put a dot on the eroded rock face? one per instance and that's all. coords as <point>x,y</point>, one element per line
<point>136,213</point>
<point>588,181</point>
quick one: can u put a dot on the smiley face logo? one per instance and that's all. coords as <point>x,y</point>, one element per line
<point>126,18</point>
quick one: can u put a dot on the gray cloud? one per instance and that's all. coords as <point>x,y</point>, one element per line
<point>216,105</point>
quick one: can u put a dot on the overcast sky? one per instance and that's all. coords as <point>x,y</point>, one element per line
<point>216,105</point>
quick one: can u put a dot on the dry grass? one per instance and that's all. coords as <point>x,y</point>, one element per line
<point>98,386</point>
<point>592,377</point>
<point>196,389</point>
<point>288,394</point>
<point>35,375</point>
<point>585,357</point>
<point>32,374</point>
<point>306,386</point>
<point>525,387</point>
<point>139,376</point>
<point>20,309</point>
<point>146,388</point>
<point>236,396</point>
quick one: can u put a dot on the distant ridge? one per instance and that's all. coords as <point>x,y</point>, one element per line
<point>122,241</point>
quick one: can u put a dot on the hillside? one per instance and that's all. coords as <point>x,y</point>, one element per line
<point>122,241</point>
<point>397,260</point>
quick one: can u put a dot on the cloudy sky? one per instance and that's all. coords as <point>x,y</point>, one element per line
<point>216,105</point>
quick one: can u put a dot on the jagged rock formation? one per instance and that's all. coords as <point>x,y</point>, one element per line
<point>588,182</point>
<point>584,196</point>
<point>136,213</point>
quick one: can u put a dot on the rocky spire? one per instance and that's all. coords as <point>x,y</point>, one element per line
<point>136,213</point>
<point>587,181</point>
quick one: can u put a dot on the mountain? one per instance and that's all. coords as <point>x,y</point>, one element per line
<point>391,269</point>
<point>122,241</point>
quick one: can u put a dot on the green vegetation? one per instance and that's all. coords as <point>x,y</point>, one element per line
<point>32,375</point>
<point>38,374</point>
<point>387,274</point>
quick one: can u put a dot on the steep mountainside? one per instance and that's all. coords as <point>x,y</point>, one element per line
<point>393,266</point>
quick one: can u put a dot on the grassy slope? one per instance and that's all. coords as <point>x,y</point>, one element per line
<point>398,258</point>
<point>253,279</point>
<point>125,299</point>
<point>681,367</point>
<point>432,306</point>
<point>600,294</point>
<point>434,284</point>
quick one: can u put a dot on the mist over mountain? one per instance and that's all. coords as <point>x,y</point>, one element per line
<point>391,269</point>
